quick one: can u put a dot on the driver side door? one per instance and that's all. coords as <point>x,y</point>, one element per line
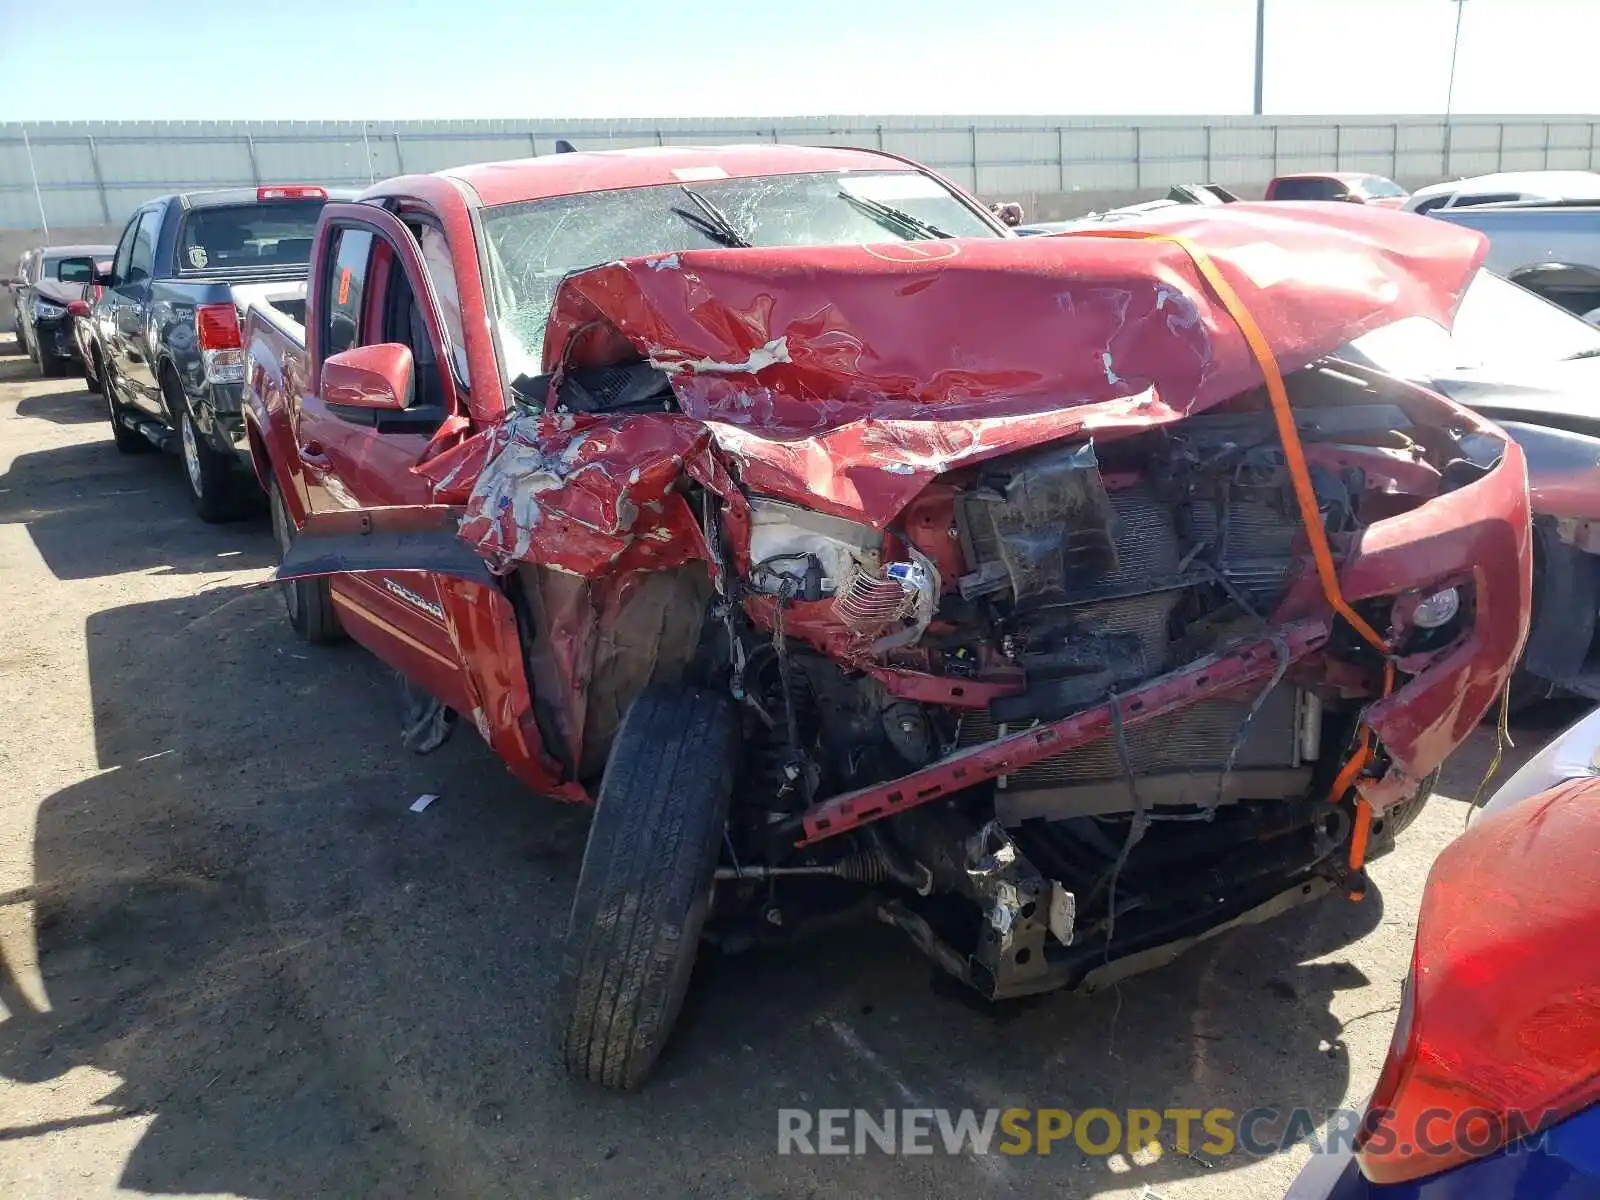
<point>372,290</point>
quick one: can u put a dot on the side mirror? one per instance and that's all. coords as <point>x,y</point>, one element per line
<point>76,270</point>
<point>78,308</point>
<point>371,379</point>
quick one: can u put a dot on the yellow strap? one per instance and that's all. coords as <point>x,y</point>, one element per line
<point>1299,474</point>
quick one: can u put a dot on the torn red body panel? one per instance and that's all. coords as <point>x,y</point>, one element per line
<point>848,377</point>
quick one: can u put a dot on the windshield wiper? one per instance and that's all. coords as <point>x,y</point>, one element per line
<point>1591,352</point>
<point>711,221</point>
<point>895,218</point>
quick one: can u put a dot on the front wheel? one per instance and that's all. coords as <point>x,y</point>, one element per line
<point>648,871</point>
<point>91,377</point>
<point>1401,817</point>
<point>129,441</point>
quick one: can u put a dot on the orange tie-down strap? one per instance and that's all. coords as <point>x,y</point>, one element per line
<point>1305,497</point>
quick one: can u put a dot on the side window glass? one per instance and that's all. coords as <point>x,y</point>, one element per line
<point>442,275</point>
<point>143,259</point>
<point>119,265</point>
<point>346,284</point>
<point>403,322</point>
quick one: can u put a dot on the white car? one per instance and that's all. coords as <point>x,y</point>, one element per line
<point>1574,753</point>
<point>1506,187</point>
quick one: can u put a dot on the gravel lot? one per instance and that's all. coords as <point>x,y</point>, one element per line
<point>232,962</point>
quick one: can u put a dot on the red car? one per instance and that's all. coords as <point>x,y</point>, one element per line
<point>1351,186</point>
<point>1493,1075</point>
<point>827,538</point>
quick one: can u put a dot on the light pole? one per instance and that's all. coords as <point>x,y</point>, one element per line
<point>1261,50</point>
<point>1450,91</point>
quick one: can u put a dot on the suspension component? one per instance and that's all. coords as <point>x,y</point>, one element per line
<point>870,866</point>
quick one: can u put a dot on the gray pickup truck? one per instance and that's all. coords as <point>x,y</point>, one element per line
<point>164,335</point>
<point>1552,248</point>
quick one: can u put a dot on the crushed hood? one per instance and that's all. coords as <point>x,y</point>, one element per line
<point>845,378</point>
<point>57,292</point>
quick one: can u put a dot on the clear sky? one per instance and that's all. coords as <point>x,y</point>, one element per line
<point>305,59</point>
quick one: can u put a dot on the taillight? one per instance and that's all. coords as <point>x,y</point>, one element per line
<point>1499,1030</point>
<point>292,191</point>
<point>216,329</point>
<point>217,326</point>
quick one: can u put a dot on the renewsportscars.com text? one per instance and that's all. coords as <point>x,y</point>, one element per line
<point>1216,1132</point>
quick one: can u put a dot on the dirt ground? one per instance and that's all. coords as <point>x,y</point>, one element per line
<point>233,962</point>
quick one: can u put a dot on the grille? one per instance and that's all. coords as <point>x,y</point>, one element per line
<point>1196,738</point>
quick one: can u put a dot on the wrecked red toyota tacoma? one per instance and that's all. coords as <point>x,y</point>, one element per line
<point>1057,598</point>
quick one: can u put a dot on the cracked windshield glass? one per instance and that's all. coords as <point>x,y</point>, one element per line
<point>533,246</point>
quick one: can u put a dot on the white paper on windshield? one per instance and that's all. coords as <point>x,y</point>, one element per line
<point>886,189</point>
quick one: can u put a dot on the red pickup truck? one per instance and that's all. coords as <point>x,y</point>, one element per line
<point>1059,593</point>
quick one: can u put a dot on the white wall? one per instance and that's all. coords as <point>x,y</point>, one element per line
<point>95,174</point>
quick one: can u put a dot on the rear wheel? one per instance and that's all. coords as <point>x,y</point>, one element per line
<point>210,473</point>
<point>646,882</point>
<point>309,602</point>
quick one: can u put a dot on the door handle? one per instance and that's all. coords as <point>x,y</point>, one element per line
<point>312,455</point>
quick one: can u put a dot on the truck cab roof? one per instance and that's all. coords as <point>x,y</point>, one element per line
<point>573,173</point>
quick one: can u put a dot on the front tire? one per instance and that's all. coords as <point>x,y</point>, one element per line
<point>91,377</point>
<point>1401,817</point>
<point>129,441</point>
<point>648,871</point>
<point>309,602</point>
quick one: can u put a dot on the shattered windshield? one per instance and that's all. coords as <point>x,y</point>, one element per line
<point>535,244</point>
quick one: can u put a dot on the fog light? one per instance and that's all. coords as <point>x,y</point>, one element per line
<point>1436,610</point>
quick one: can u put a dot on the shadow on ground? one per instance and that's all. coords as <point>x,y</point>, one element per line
<point>18,369</point>
<point>73,405</point>
<point>92,511</point>
<point>314,991</point>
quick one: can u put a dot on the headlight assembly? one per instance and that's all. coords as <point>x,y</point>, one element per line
<point>812,553</point>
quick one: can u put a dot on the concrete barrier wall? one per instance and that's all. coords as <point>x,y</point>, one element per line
<point>82,180</point>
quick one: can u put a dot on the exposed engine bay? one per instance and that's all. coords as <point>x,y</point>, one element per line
<point>1036,586</point>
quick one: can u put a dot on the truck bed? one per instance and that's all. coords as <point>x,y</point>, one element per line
<point>285,306</point>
